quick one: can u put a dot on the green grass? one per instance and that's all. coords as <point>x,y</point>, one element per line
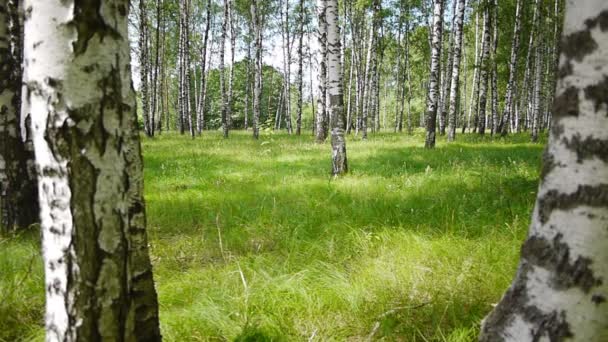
<point>412,245</point>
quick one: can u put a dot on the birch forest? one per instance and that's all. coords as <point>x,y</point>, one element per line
<point>304,170</point>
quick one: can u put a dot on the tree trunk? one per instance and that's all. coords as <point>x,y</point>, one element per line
<point>559,292</point>
<point>370,75</point>
<point>538,81</point>
<point>286,63</point>
<point>494,76</point>
<point>18,189</point>
<point>485,67</point>
<point>475,87</point>
<point>257,89</point>
<point>200,115</point>
<point>300,79</point>
<point>506,115</point>
<point>448,73</point>
<point>335,90</point>
<point>321,123</point>
<point>181,67</point>
<point>433,89</point>
<point>99,283</point>
<point>407,69</point>
<point>248,83</point>
<point>232,23</point>
<point>525,88</point>
<point>222,70</point>
<point>458,23</point>
<point>143,66</point>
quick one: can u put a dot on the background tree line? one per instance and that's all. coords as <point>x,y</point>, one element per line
<point>507,56</point>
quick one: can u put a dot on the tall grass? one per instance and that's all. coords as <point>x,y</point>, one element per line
<point>254,241</point>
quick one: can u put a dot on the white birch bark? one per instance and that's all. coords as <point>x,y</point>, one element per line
<point>433,90</point>
<point>335,90</point>
<point>18,194</point>
<point>257,88</point>
<point>511,83</point>
<point>485,68</point>
<point>98,276</point>
<point>321,124</point>
<point>560,290</point>
<point>458,23</point>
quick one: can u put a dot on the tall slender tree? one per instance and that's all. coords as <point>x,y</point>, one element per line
<point>559,292</point>
<point>99,283</point>
<point>321,132</point>
<point>432,99</point>
<point>484,74</point>
<point>300,72</point>
<point>454,84</point>
<point>144,65</point>
<point>505,121</point>
<point>257,88</point>
<point>335,90</point>
<point>286,35</point>
<point>18,189</point>
<point>222,70</point>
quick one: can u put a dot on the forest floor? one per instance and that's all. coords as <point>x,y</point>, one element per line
<point>253,241</point>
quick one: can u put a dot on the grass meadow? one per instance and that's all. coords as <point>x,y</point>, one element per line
<point>254,241</point>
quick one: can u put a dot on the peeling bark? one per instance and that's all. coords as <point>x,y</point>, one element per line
<point>98,274</point>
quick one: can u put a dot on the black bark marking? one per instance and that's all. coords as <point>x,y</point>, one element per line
<point>516,303</point>
<point>601,19</point>
<point>88,22</point>
<point>555,257</point>
<point>566,104</point>
<point>587,148</point>
<point>578,45</point>
<point>598,299</point>
<point>549,163</point>
<point>565,70</point>
<point>593,196</point>
<point>598,93</point>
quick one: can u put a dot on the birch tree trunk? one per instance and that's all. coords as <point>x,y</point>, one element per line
<point>257,88</point>
<point>248,82</point>
<point>559,292</point>
<point>458,23</point>
<point>286,63</point>
<point>511,83</point>
<point>525,86</point>
<point>98,274</point>
<point>494,75</point>
<point>407,69</point>
<point>300,72</point>
<point>222,70</point>
<point>485,68</point>
<point>18,189</point>
<point>447,81</point>
<point>321,133</point>
<point>232,23</point>
<point>200,116</point>
<point>143,66</point>
<point>475,87</point>
<point>432,99</point>
<point>538,81</point>
<point>335,90</point>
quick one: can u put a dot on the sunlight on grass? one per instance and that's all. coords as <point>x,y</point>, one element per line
<point>412,245</point>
